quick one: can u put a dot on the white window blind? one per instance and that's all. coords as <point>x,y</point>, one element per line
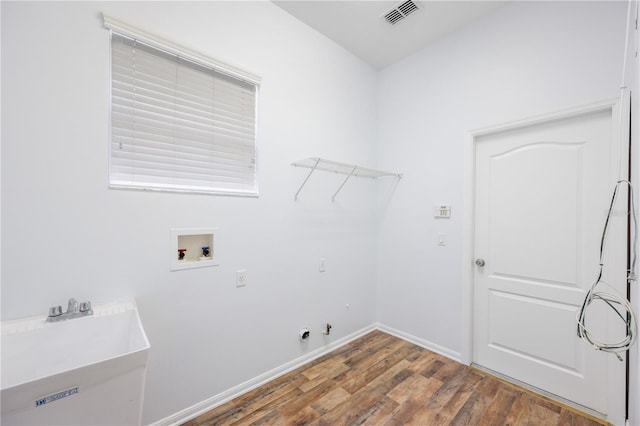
<point>179,125</point>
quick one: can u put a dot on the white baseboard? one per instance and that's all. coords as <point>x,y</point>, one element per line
<point>456,356</point>
<point>226,396</point>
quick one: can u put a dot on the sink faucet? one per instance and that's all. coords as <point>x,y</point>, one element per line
<point>74,310</point>
<point>72,307</point>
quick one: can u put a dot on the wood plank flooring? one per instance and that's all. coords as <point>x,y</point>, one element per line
<point>379,379</point>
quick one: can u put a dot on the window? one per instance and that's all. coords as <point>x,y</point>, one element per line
<point>178,123</point>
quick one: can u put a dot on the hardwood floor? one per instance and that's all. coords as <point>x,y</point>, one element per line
<point>379,379</point>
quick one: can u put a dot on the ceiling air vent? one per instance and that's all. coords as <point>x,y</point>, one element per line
<point>401,11</point>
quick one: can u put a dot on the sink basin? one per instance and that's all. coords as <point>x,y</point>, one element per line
<point>83,371</point>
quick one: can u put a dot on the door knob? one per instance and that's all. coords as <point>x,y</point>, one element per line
<point>480,262</point>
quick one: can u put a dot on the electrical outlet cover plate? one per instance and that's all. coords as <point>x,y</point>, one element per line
<point>241,278</point>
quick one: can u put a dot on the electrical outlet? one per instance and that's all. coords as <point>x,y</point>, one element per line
<point>241,278</point>
<point>323,265</point>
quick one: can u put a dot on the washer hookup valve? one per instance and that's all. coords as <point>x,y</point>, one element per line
<point>181,254</point>
<point>205,251</point>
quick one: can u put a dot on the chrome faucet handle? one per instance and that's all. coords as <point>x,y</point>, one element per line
<point>73,306</point>
<point>55,311</point>
<point>85,306</point>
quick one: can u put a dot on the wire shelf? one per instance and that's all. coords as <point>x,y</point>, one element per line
<point>315,163</point>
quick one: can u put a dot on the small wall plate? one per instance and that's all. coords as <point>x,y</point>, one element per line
<point>442,211</point>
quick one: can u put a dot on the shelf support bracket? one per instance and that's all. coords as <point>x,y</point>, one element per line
<point>306,179</point>
<point>345,181</point>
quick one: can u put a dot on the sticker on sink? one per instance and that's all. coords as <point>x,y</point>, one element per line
<point>57,396</point>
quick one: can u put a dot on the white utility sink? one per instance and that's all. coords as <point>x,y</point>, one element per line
<point>82,371</point>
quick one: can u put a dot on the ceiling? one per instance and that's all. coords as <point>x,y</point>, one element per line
<point>359,26</point>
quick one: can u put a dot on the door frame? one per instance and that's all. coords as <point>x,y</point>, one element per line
<point>616,383</point>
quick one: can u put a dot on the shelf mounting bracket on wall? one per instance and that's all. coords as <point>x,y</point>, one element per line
<point>350,170</point>
<point>345,181</point>
<point>307,178</point>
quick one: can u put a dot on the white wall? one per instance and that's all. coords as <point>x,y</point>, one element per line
<point>526,58</point>
<point>64,233</point>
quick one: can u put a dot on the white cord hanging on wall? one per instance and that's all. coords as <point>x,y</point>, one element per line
<point>612,298</point>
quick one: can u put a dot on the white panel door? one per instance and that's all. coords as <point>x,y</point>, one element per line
<point>541,196</point>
